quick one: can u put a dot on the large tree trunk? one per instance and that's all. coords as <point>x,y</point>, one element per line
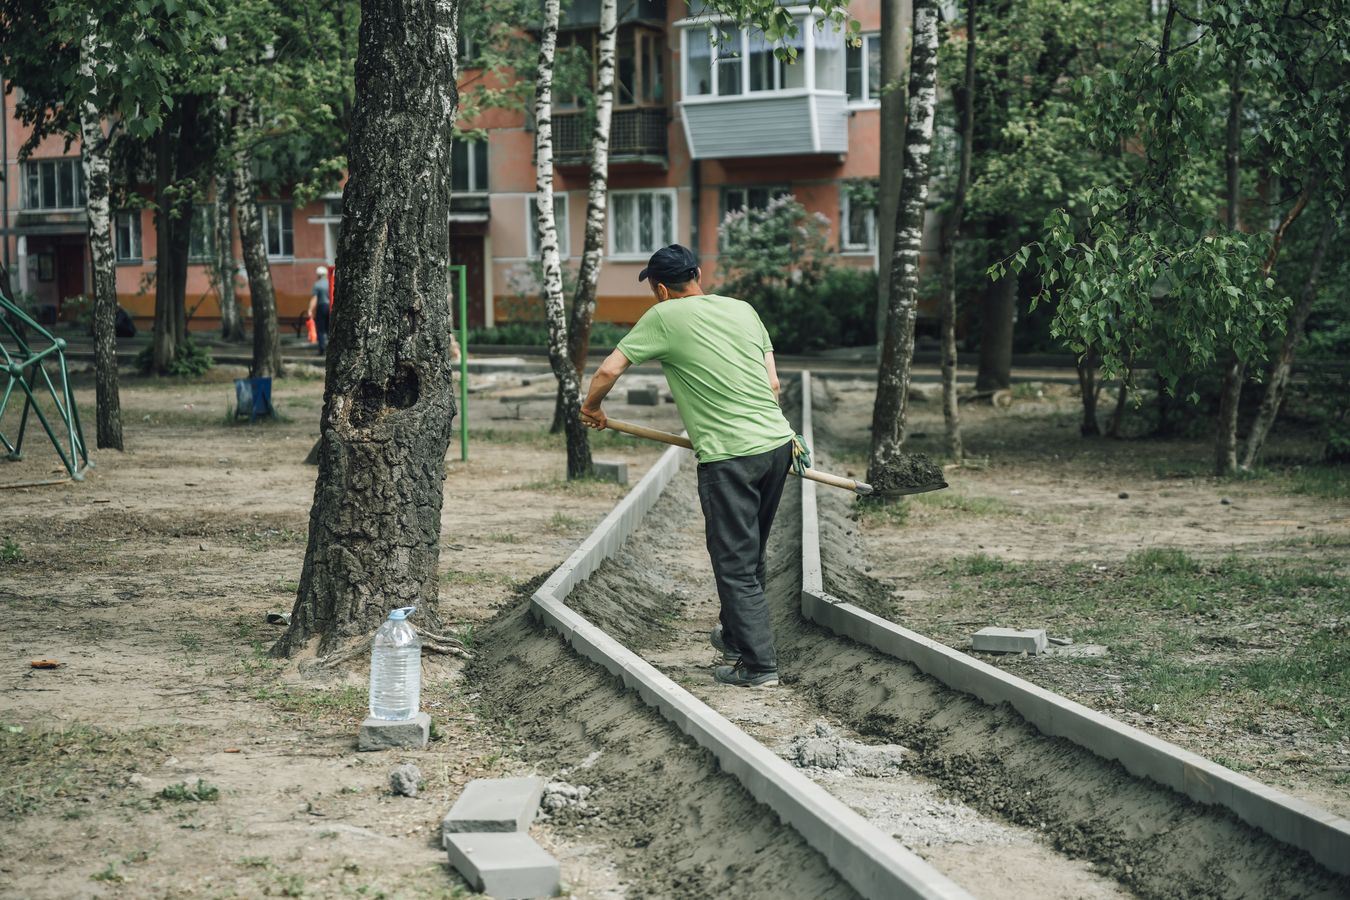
<point>896,16</point>
<point>1234,369</point>
<point>94,152</point>
<point>231,319</point>
<point>375,526</point>
<point>569,383</point>
<point>164,343</point>
<point>266,334</point>
<point>951,228</point>
<point>1089,387</point>
<point>897,352</point>
<point>996,330</point>
<point>1278,382</point>
<point>583,304</point>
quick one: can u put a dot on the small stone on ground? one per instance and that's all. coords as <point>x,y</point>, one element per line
<point>404,780</point>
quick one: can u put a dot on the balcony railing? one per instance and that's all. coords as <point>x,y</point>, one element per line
<point>633,133</point>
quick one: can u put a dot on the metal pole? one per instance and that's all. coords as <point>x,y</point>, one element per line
<point>463,291</point>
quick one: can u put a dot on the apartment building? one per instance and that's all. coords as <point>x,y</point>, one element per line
<point>702,126</point>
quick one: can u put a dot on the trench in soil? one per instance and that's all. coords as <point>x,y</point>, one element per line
<point>982,795</point>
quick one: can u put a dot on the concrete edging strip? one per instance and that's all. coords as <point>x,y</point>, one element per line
<point>1321,834</point>
<point>864,856</point>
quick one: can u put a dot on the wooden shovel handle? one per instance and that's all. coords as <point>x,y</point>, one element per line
<point>665,437</point>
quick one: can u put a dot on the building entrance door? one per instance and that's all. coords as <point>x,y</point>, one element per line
<point>467,250</point>
<point>69,271</point>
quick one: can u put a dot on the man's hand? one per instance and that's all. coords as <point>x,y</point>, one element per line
<point>594,417</point>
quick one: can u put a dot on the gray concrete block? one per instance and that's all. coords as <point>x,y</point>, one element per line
<point>616,472</point>
<point>1009,640</point>
<point>644,397</point>
<point>506,866</point>
<point>387,734</point>
<point>494,805</point>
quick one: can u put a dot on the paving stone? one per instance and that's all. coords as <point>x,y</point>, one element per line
<point>494,805</point>
<point>388,734</point>
<point>1009,640</point>
<point>506,866</point>
<point>644,396</point>
<point>616,472</point>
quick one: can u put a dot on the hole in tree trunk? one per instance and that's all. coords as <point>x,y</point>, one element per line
<point>400,392</point>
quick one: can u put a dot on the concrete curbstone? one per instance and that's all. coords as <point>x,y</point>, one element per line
<point>494,805</point>
<point>1009,640</point>
<point>644,396</point>
<point>507,866</point>
<point>605,470</point>
<point>392,734</point>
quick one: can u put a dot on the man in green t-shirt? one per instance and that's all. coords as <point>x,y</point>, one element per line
<point>718,360</point>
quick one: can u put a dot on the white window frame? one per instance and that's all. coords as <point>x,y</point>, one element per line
<point>204,215</point>
<point>78,187</point>
<point>264,209</point>
<point>806,58</point>
<point>611,219</point>
<point>871,97</point>
<point>559,219</point>
<point>132,219</point>
<point>476,178</point>
<point>854,249</point>
<point>331,224</point>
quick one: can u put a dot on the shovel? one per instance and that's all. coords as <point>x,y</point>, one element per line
<point>665,437</point>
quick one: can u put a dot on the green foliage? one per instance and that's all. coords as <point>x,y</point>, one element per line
<point>193,360</point>
<point>182,792</point>
<point>10,552</point>
<point>535,334</point>
<point>778,260</point>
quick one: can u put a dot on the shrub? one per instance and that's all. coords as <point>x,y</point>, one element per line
<point>192,361</point>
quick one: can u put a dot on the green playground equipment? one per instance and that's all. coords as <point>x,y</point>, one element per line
<point>26,367</point>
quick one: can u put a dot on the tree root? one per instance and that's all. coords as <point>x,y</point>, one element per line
<point>440,644</point>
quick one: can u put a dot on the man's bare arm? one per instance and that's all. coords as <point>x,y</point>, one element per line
<point>773,373</point>
<point>601,382</point>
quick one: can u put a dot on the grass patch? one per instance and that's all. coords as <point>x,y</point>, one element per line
<point>347,702</point>
<point>70,764</point>
<point>875,512</point>
<point>563,522</point>
<point>182,792</point>
<point>964,503</point>
<point>10,552</point>
<point>576,487</point>
<point>461,578</point>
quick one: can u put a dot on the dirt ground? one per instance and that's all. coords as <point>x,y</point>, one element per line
<point>170,756</point>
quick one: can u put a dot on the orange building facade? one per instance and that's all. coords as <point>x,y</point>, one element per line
<point>700,128</point>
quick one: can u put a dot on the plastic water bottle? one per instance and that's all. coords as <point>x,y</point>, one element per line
<point>396,668</point>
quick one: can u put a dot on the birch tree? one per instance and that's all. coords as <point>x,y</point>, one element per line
<point>951,227</point>
<point>888,467</point>
<point>569,383</point>
<point>583,302</point>
<point>223,265</point>
<point>266,334</point>
<point>388,412</point>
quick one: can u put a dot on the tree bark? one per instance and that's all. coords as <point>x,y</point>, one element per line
<point>1122,400</point>
<point>374,536</point>
<point>266,334</point>
<point>569,384</point>
<point>583,302</point>
<point>1278,382</point>
<point>231,319</point>
<point>94,146</point>
<point>996,333</point>
<point>897,353</point>
<point>1088,386</point>
<point>951,228</point>
<point>1234,369</point>
<point>896,16</point>
<point>164,343</point>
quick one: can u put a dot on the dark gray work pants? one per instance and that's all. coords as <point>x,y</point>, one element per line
<point>740,498</point>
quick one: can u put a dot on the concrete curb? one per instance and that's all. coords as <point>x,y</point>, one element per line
<point>864,856</point>
<point>1321,834</point>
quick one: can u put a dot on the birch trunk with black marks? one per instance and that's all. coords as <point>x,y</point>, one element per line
<point>1234,369</point>
<point>164,340</point>
<point>951,228</point>
<point>897,351</point>
<point>231,319</point>
<point>266,334</point>
<point>94,150</point>
<point>375,526</point>
<point>583,302</point>
<point>896,16</point>
<point>1278,382</point>
<point>569,384</point>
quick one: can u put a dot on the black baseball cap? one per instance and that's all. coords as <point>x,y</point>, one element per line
<point>675,264</point>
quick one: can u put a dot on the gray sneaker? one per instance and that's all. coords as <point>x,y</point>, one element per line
<point>739,676</point>
<point>720,645</point>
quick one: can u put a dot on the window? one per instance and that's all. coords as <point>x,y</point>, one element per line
<point>201,234</point>
<point>858,222</point>
<point>53,184</point>
<point>468,166</point>
<point>278,230</point>
<point>735,199</point>
<point>862,70</point>
<point>559,220</point>
<point>642,223</point>
<point>468,50</point>
<point>332,224</point>
<point>829,58</point>
<point>697,62</point>
<point>729,62</point>
<point>127,235</point>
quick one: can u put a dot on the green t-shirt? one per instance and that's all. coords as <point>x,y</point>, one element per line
<point>712,351</point>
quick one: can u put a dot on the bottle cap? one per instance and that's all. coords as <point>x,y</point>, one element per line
<point>402,612</point>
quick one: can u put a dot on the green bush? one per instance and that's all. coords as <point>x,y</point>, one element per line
<point>535,334</point>
<point>193,360</point>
